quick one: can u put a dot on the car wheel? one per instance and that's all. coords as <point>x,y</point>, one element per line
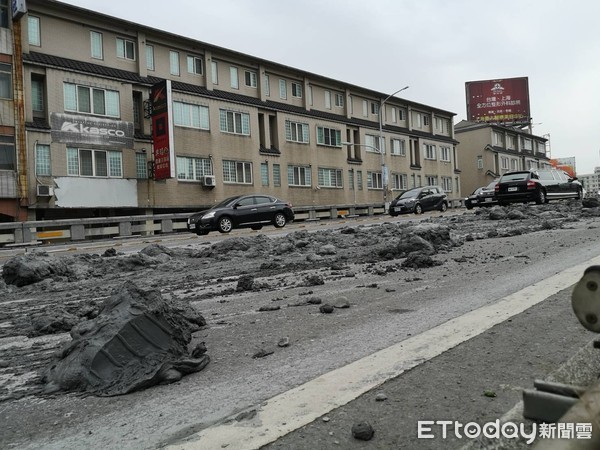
<point>202,232</point>
<point>279,220</point>
<point>541,197</point>
<point>579,194</point>
<point>256,227</point>
<point>418,209</point>
<point>444,207</point>
<point>225,224</point>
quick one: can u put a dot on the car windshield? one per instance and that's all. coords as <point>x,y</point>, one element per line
<point>492,185</point>
<point>519,176</point>
<point>410,194</point>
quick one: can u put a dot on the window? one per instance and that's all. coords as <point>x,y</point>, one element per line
<point>296,90</point>
<point>510,142</point>
<point>296,132</point>
<point>141,166</point>
<point>4,14</point>
<point>96,42</point>
<point>374,180</point>
<point>7,153</point>
<point>267,86</point>
<point>401,114</point>
<point>351,179</point>
<point>329,136</point>
<point>282,89</point>
<point>150,57</point>
<point>237,172</point>
<point>480,162</point>
<point>431,180</point>
<point>514,164</point>
<point>429,151</point>
<point>37,94</point>
<point>214,71</point>
<point>276,175</point>
<point>425,120</point>
<point>310,95</point>
<point>541,147</point>
<point>174,62</point>
<point>504,163</point>
<point>374,108</point>
<point>6,88</point>
<point>439,124</point>
<point>234,81</point>
<point>33,30</point>
<point>264,174</point>
<point>250,78</point>
<point>94,163</point>
<point>447,184</point>
<point>125,49</point>
<point>327,99</point>
<point>138,106</point>
<point>365,108</point>
<point>330,178</point>
<point>527,144</point>
<point>299,176</point>
<point>234,122</point>
<point>193,116</point>
<point>194,65</point>
<point>339,100</point>
<point>359,180</point>
<point>193,169</point>
<point>372,143</point>
<point>394,115</point>
<point>398,147</point>
<point>498,139</point>
<point>400,181</point>
<point>445,154</point>
<point>84,99</point>
<point>42,160</point>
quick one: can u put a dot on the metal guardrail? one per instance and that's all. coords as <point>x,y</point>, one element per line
<point>41,231</point>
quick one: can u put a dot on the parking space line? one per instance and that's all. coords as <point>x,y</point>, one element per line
<point>297,407</point>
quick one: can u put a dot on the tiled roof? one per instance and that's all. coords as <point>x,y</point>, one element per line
<point>59,62</point>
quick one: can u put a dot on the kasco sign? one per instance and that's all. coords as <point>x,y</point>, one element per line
<point>504,101</point>
<point>82,130</point>
<point>162,131</point>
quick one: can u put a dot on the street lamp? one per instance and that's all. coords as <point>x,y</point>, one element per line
<point>384,176</point>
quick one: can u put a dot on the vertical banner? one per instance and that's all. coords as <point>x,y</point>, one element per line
<point>162,131</point>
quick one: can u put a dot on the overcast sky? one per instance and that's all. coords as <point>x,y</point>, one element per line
<point>433,46</point>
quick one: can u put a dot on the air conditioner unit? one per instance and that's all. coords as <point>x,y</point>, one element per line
<point>44,190</point>
<point>208,180</point>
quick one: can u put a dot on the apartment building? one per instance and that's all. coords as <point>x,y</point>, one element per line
<point>241,124</point>
<point>591,182</point>
<point>486,151</point>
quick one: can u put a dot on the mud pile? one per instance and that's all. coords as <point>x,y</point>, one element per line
<point>137,340</point>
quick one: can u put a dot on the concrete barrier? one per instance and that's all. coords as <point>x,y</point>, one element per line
<point>34,232</point>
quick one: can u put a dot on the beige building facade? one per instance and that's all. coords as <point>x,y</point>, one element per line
<point>241,124</point>
<point>486,151</point>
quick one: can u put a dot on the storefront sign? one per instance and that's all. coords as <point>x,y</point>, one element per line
<point>162,131</point>
<point>18,8</point>
<point>82,130</point>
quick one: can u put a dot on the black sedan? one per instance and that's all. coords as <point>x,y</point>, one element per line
<point>242,211</point>
<point>418,200</point>
<point>537,186</point>
<point>483,196</point>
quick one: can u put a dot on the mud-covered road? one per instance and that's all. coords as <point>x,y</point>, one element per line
<point>263,300</point>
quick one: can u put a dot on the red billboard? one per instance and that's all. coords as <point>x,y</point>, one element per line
<point>504,101</point>
<point>162,131</point>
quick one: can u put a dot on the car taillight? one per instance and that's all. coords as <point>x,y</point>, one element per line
<point>531,185</point>
<point>289,205</point>
<point>497,188</point>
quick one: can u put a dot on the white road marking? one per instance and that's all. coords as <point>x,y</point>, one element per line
<point>297,407</point>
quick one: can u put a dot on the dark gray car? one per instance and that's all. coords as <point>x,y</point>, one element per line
<point>418,200</point>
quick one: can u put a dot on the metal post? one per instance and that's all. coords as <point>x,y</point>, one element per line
<point>384,177</point>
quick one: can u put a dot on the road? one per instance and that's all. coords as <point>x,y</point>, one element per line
<point>389,306</point>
